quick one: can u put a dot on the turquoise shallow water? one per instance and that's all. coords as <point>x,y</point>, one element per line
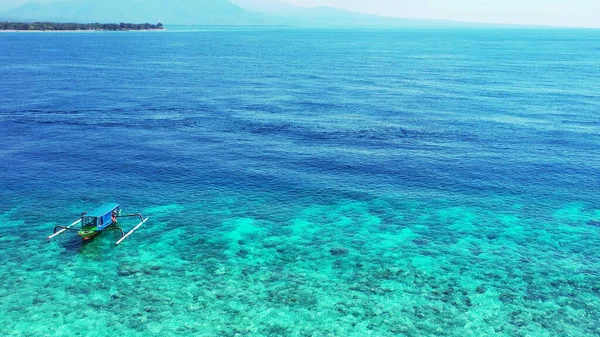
<point>303,183</point>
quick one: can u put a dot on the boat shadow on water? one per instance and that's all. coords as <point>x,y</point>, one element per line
<point>95,249</point>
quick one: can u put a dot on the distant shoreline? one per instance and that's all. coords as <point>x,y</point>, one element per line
<point>79,31</point>
<point>6,26</point>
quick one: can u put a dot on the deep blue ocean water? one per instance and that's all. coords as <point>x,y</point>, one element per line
<point>303,182</point>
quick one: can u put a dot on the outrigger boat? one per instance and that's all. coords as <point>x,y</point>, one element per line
<point>104,218</point>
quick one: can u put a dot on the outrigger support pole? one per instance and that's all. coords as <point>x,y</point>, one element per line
<point>64,229</point>
<point>130,215</point>
<point>133,230</point>
<point>114,229</point>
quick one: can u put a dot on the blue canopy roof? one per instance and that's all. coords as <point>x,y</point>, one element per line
<point>103,210</point>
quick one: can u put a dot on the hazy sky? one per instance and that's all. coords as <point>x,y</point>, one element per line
<point>578,13</point>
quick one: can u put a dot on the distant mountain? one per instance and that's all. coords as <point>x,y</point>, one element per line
<point>267,6</point>
<point>212,12</point>
<point>333,17</point>
<point>208,12</point>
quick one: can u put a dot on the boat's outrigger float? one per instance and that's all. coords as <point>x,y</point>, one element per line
<point>102,219</point>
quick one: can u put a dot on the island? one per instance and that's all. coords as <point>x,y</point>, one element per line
<point>54,26</point>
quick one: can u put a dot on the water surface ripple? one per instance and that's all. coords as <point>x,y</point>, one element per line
<point>303,182</point>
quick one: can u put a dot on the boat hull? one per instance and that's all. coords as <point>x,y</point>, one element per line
<point>87,233</point>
